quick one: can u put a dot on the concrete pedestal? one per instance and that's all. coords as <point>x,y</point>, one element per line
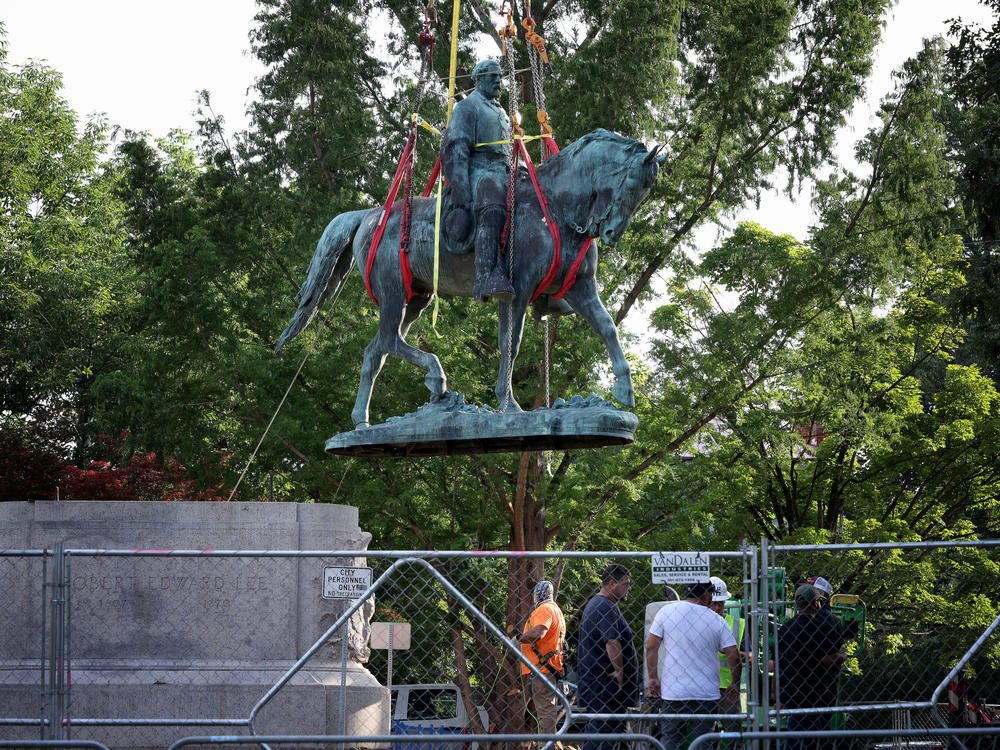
<point>172,637</point>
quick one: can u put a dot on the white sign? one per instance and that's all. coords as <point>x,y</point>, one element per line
<point>346,583</point>
<point>384,634</point>
<point>680,567</point>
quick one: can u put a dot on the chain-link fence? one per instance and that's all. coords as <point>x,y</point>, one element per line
<point>389,647</point>
<point>905,637</point>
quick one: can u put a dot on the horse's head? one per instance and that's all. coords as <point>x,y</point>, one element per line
<point>636,180</point>
<point>610,176</point>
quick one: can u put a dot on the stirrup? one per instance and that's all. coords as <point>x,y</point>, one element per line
<point>547,306</point>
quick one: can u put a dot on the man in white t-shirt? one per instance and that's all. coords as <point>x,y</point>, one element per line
<point>684,674</point>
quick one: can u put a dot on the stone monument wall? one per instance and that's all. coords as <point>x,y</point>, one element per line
<point>158,636</point>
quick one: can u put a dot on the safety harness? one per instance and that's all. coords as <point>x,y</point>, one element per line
<point>543,659</point>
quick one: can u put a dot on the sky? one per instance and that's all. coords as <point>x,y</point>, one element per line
<point>142,63</point>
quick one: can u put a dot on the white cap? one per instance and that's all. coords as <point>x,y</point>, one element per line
<point>822,584</point>
<point>721,593</point>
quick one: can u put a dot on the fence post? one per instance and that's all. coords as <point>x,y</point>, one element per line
<point>765,598</point>
<point>753,662</point>
<point>43,698</point>
<point>56,687</point>
<point>343,680</point>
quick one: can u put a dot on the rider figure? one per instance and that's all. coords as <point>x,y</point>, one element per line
<point>478,175</point>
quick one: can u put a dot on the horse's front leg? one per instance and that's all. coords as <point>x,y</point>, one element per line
<point>374,358</point>
<point>510,327</point>
<point>434,378</point>
<point>584,299</point>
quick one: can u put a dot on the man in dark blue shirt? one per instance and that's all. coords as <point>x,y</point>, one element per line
<point>810,654</point>
<point>607,664</point>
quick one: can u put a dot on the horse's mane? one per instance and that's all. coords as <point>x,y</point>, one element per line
<point>592,168</point>
<point>583,146</point>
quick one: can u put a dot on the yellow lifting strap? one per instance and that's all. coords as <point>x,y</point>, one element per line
<point>525,138</point>
<point>453,66</point>
<point>424,124</point>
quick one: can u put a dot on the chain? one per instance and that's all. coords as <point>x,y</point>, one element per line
<point>508,343</point>
<point>536,77</point>
<point>546,365</point>
<point>547,360</point>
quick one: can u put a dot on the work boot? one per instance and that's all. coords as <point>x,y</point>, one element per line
<point>491,276</point>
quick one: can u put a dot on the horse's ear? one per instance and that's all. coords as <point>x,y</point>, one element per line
<point>653,155</point>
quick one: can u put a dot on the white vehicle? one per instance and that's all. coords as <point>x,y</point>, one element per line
<point>431,709</point>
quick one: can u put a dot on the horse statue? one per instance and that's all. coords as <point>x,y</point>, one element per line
<point>594,186</point>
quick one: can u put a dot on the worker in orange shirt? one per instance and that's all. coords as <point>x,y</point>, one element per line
<point>543,643</point>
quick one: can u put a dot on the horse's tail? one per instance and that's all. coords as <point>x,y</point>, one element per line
<point>327,272</point>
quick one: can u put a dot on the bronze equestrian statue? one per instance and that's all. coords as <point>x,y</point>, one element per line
<point>594,186</point>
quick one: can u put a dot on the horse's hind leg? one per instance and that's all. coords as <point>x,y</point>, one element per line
<point>511,325</point>
<point>434,379</point>
<point>388,340</point>
<point>584,299</point>
<point>370,367</point>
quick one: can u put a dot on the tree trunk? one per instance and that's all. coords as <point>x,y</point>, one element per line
<point>511,695</point>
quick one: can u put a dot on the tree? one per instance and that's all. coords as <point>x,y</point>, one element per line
<point>811,384</point>
<point>64,276</point>
<point>973,78</point>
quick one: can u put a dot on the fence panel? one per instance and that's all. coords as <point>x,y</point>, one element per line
<point>919,624</point>
<point>22,639</point>
<point>165,644</point>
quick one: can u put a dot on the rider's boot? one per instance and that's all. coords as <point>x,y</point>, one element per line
<point>491,276</point>
<point>547,306</point>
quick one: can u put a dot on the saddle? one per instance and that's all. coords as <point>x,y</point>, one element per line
<point>458,235</point>
<point>458,227</point>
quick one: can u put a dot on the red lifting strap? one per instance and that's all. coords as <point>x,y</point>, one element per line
<point>406,217</point>
<point>570,279</point>
<point>404,227</point>
<point>553,231</point>
<point>404,258</point>
<point>384,219</point>
<point>433,178</point>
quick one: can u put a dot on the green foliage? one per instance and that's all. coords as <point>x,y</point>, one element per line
<point>971,120</point>
<point>65,283</point>
<point>823,424</point>
<point>805,388</point>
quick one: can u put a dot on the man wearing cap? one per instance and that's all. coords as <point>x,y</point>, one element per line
<point>684,674</point>
<point>731,702</point>
<point>543,644</point>
<point>810,653</point>
<point>607,664</point>
<point>475,151</point>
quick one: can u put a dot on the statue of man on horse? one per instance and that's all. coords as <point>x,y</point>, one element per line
<point>595,185</point>
<point>475,155</point>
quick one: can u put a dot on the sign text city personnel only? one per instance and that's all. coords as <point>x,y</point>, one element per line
<point>680,567</point>
<point>346,583</point>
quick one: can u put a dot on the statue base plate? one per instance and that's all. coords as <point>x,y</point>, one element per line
<point>449,427</point>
